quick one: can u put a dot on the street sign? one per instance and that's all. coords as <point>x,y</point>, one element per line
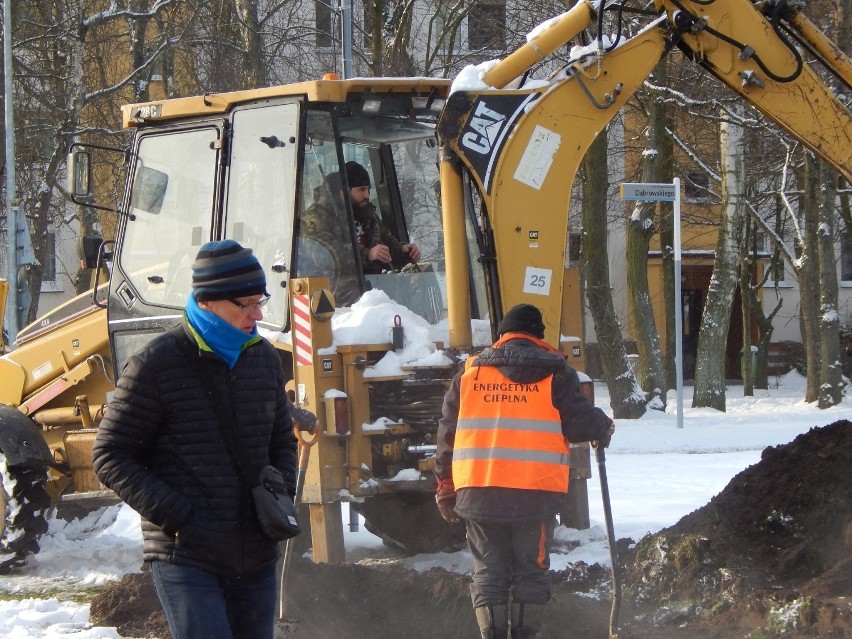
<point>648,191</point>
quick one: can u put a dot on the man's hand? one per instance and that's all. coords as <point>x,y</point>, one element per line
<point>604,439</point>
<point>412,251</point>
<point>379,253</point>
<point>303,419</point>
<point>446,500</point>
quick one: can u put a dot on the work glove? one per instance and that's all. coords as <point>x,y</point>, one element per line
<point>303,419</point>
<point>446,500</point>
<point>604,439</point>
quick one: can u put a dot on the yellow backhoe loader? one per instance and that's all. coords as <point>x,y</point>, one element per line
<point>478,176</point>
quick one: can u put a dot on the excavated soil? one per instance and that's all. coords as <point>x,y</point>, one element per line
<point>768,557</point>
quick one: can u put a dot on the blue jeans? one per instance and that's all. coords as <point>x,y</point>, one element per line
<point>201,605</point>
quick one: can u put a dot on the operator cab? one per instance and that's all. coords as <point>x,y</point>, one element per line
<point>400,159</point>
<point>251,172</point>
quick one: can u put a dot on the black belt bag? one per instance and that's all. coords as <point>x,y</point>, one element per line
<point>274,507</point>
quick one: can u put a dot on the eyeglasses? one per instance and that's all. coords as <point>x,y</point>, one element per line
<point>250,307</point>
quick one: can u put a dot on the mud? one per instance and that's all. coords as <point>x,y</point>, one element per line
<point>768,557</point>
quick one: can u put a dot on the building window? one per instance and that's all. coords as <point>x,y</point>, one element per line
<point>846,258</point>
<point>486,26</point>
<point>48,272</point>
<point>575,246</point>
<point>51,278</point>
<point>697,187</point>
<point>325,20</point>
<point>777,271</point>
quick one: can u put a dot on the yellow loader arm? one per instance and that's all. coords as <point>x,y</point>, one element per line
<point>523,147</point>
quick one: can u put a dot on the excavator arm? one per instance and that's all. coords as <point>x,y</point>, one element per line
<point>754,52</point>
<point>522,146</point>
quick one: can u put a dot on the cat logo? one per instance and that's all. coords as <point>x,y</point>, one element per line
<point>488,128</point>
<point>483,129</point>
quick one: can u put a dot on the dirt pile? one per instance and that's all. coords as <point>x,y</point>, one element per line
<point>769,557</point>
<point>774,549</point>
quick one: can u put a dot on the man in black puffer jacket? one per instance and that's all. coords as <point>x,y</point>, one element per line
<point>160,447</point>
<point>503,445</point>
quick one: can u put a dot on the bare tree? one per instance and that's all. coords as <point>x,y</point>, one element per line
<point>67,79</point>
<point>807,270</point>
<point>831,371</point>
<point>665,173</point>
<point>751,282</point>
<point>712,338</point>
<point>641,227</point>
<point>626,397</point>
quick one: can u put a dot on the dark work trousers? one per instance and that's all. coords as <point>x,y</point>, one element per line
<point>510,558</point>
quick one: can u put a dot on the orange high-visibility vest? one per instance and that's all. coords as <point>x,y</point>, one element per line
<point>508,434</point>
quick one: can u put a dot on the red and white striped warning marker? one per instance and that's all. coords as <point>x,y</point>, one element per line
<point>302,341</point>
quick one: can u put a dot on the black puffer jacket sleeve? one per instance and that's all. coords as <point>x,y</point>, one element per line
<point>129,432</point>
<point>581,421</point>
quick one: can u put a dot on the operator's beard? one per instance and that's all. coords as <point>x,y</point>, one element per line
<point>362,212</point>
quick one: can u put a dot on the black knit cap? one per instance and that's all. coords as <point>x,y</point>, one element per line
<point>224,269</point>
<point>523,318</point>
<point>356,175</point>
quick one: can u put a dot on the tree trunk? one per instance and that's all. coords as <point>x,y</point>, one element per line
<point>808,271</point>
<point>640,229</point>
<point>831,368</point>
<point>255,62</point>
<point>746,267</point>
<point>626,398</point>
<point>716,320</point>
<point>665,167</point>
<point>831,371</point>
<point>750,299</point>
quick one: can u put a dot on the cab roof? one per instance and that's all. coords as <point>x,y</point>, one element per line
<point>134,115</point>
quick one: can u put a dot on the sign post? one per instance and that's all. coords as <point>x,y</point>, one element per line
<point>651,192</point>
<point>11,196</point>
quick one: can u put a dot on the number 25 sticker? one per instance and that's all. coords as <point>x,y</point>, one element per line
<point>537,281</point>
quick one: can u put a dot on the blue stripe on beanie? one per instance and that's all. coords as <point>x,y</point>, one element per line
<point>224,269</point>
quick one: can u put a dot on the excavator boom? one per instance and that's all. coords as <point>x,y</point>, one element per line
<point>523,146</point>
<point>752,52</point>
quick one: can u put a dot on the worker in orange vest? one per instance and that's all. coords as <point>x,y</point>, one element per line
<point>502,466</point>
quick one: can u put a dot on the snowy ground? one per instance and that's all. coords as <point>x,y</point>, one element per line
<point>657,474</point>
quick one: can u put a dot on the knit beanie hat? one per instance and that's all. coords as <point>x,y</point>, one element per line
<point>224,269</point>
<point>523,318</point>
<point>356,175</point>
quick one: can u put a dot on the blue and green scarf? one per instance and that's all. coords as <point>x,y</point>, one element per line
<point>216,335</point>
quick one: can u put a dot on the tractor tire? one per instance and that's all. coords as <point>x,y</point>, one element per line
<point>23,503</point>
<point>410,522</point>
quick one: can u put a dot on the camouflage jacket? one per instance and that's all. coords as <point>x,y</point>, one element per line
<point>323,220</point>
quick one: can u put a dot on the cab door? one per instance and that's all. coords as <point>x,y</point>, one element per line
<point>260,201</point>
<point>169,210</point>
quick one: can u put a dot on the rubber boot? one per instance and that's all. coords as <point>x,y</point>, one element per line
<point>493,621</point>
<point>526,620</point>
